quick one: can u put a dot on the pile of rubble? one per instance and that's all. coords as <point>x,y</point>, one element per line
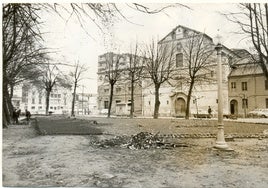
<point>142,140</point>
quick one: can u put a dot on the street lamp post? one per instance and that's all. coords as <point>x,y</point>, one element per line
<point>220,140</point>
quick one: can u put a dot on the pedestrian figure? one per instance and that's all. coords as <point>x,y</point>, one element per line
<point>28,115</point>
<point>18,112</point>
<point>15,116</point>
<point>209,111</point>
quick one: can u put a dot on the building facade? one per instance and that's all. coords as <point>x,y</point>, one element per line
<point>32,98</point>
<point>121,103</point>
<point>173,96</point>
<point>244,85</point>
<point>248,88</point>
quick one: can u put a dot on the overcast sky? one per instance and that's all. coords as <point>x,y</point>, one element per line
<point>72,42</point>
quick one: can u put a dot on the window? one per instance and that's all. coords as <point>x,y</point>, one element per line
<point>211,74</point>
<point>106,90</point>
<point>179,47</point>
<point>233,85</point>
<point>40,100</point>
<point>33,100</point>
<point>179,60</point>
<point>244,103</point>
<point>117,101</point>
<point>167,102</point>
<point>266,84</point>
<point>149,102</point>
<point>118,90</point>
<point>59,95</point>
<point>173,35</point>
<point>244,86</point>
<point>33,107</point>
<point>51,108</point>
<point>106,105</point>
<point>266,101</point>
<point>39,107</point>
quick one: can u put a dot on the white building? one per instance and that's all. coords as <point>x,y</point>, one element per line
<point>32,98</point>
<point>173,95</point>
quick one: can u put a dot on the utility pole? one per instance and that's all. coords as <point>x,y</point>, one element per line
<point>83,99</point>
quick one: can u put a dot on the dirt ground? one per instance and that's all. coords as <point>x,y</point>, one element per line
<point>31,160</point>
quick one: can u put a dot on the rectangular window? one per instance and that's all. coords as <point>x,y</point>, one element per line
<point>211,74</point>
<point>266,102</point>
<point>266,84</point>
<point>233,85</point>
<point>106,90</point>
<point>40,100</point>
<point>244,86</point>
<point>59,95</point>
<point>179,60</point>
<point>39,107</point>
<point>117,101</point>
<point>244,103</point>
<point>51,108</point>
<point>118,90</point>
<point>33,100</point>
<point>33,107</point>
<point>106,104</point>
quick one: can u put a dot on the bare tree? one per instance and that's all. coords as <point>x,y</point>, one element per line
<point>21,48</point>
<point>20,31</point>
<point>48,77</point>
<point>135,71</point>
<point>159,66</point>
<point>197,52</point>
<point>77,76</point>
<point>113,73</point>
<point>253,21</point>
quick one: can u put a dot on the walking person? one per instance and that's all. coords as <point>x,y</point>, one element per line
<point>209,111</point>
<point>15,116</point>
<point>28,115</point>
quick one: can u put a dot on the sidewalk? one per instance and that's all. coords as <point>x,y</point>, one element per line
<point>242,120</point>
<point>250,120</point>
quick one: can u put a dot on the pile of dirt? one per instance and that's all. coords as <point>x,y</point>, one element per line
<point>142,140</point>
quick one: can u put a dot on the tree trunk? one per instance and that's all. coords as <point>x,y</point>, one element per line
<point>187,113</point>
<point>110,100</point>
<point>157,101</point>
<point>73,102</point>
<point>132,100</point>
<point>4,116</point>
<point>7,109</point>
<point>48,91</point>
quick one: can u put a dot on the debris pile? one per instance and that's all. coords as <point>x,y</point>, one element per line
<point>142,140</point>
<point>145,140</point>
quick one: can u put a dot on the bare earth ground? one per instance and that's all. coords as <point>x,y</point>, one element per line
<point>31,160</point>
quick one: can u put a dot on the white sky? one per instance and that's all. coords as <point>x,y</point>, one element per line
<point>73,44</point>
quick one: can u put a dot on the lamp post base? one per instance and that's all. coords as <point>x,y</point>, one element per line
<point>222,146</point>
<point>220,141</point>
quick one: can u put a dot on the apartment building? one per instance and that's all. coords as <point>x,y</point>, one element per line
<point>122,89</point>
